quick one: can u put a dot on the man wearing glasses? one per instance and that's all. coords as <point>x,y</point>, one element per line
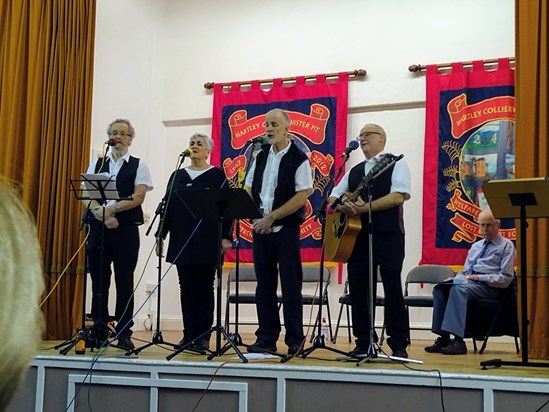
<point>389,192</point>
<point>489,268</point>
<point>118,221</point>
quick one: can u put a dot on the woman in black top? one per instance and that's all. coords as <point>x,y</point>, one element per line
<point>193,245</point>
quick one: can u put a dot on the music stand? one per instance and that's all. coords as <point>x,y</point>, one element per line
<point>100,188</point>
<point>219,204</point>
<point>510,199</point>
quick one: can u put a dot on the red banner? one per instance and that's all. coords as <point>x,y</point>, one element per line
<point>469,140</point>
<point>318,113</point>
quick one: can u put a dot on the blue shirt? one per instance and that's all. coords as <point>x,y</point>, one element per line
<point>496,267</point>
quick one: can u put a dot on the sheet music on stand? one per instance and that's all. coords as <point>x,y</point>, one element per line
<point>99,186</point>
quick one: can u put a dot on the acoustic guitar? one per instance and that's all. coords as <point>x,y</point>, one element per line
<point>341,230</point>
<point>340,236</point>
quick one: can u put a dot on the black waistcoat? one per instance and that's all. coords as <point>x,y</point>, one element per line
<point>125,184</point>
<point>384,221</point>
<point>285,187</point>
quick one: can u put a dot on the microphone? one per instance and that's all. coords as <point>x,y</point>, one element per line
<point>353,145</point>
<point>263,140</point>
<point>112,142</point>
<point>185,153</point>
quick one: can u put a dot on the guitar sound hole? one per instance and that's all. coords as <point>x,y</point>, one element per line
<point>341,228</point>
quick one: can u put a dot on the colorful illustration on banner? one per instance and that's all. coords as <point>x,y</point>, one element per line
<point>307,132</point>
<point>487,153</point>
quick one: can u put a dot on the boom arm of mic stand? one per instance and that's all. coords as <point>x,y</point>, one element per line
<point>160,209</point>
<point>339,200</point>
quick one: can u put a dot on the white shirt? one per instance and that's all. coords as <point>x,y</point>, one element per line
<point>401,180</point>
<point>193,174</point>
<point>142,176</point>
<point>303,179</point>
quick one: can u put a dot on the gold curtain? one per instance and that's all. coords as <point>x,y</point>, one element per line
<point>46,78</point>
<point>532,151</point>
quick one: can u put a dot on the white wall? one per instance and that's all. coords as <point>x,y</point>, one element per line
<point>153,57</point>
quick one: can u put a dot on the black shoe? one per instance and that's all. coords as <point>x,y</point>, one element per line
<point>358,352</point>
<point>457,347</point>
<point>293,349</point>
<point>96,337</point>
<point>92,341</point>
<point>183,342</point>
<point>260,346</point>
<point>201,345</point>
<point>438,345</point>
<point>125,343</point>
<point>400,353</point>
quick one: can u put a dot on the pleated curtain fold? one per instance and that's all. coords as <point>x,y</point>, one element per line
<point>532,152</point>
<point>46,79</point>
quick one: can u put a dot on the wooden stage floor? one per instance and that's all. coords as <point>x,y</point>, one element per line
<point>462,364</point>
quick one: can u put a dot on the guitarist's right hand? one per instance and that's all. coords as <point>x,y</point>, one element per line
<point>348,209</point>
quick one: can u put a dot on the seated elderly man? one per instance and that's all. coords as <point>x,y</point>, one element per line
<point>488,269</point>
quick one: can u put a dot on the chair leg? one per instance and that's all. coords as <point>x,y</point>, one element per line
<point>329,319</point>
<point>348,322</point>
<point>317,320</point>
<point>517,345</point>
<point>484,342</point>
<point>334,338</point>
<point>227,315</point>
<point>475,345</point>
<point>382,337</point>
<point>492,324</point>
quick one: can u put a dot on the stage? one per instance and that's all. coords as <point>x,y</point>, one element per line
<point>149,382</point>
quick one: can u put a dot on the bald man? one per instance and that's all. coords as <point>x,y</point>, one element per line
<point>489,268</point>
<point>389,192</point>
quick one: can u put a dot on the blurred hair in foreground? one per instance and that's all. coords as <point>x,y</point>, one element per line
<point>21,286</point>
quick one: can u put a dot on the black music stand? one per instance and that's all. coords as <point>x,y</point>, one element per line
<point>219,204</point>
<point>99,188</point>
<point>519,198</point>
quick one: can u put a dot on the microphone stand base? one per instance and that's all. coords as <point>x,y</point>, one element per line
<point>375,352</point>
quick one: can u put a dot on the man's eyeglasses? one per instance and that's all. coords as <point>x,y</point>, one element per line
<point>364,135</point>
<point>121,134</point>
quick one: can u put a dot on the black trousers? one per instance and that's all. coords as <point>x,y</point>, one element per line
<point>196,284</point>
<point>388,251</point>
<point>121,249</point>
<point>282,249</point>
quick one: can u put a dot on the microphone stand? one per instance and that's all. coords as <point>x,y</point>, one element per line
<point>373,349</point>
<point>161,210</point>
<point>235,336</point>
<point>319,340</point>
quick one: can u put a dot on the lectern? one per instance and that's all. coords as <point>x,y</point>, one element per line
<point>519,198</point>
